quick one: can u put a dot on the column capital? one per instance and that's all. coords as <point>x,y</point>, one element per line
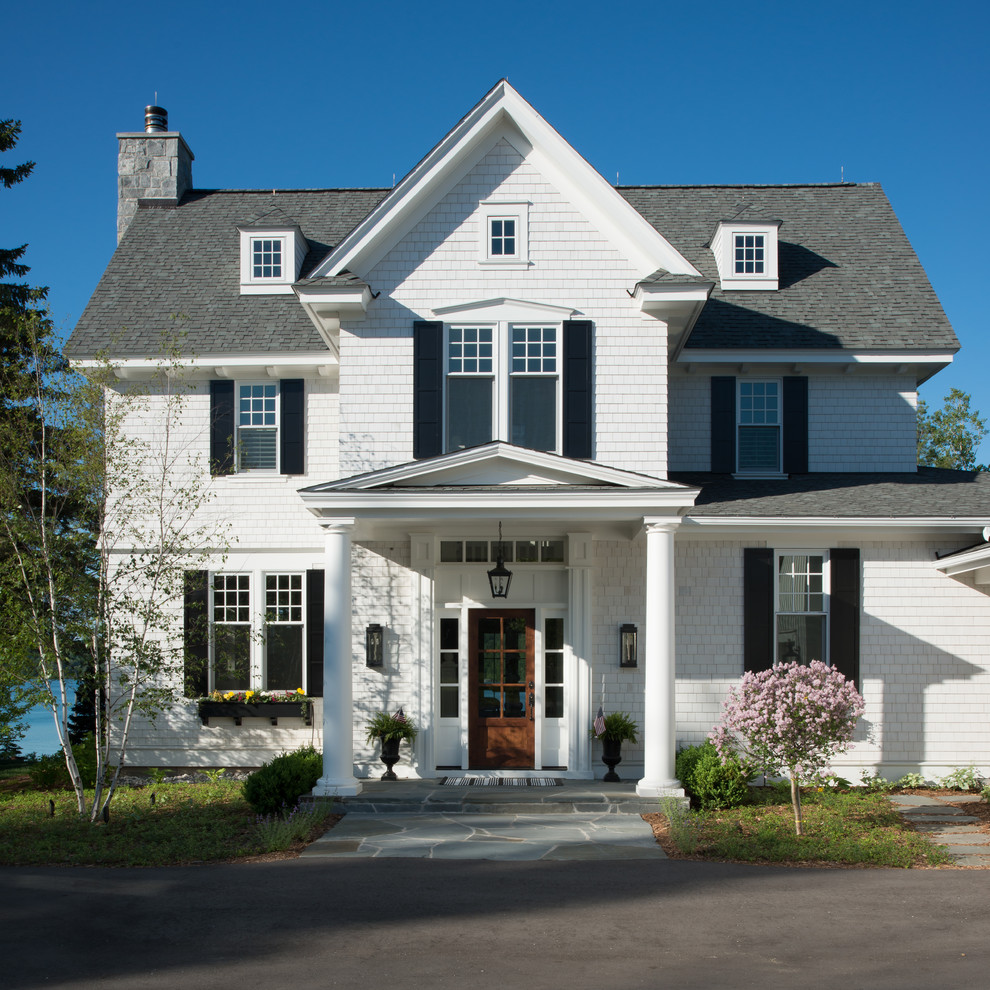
<point>339,524</point>
<point>661,524</point>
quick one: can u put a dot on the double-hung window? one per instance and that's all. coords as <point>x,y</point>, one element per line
<point>758,421</point>
<point>257,426</point>
<point>503,383</point>
<point>801,606</point>
<point>284,629</point>
<point>231,613</point>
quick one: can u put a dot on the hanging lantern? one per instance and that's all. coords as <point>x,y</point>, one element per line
<point>499,577</point>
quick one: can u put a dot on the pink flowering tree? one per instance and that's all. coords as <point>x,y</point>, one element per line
<point>793,718</point>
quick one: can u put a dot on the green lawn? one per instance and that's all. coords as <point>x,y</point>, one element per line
<point>850,827</point>
<point>187,823</point>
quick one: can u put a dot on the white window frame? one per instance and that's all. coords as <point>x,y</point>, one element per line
<point>751,472</point>
<point>761,247</point>
<point>824,612</point>
<point>238,620</point>
<point>518,211</point>
<point>257,623</point>
<point>239,429</point>
<point>502,375</point>
<point>268,623</point>
<point>723,246</point>
<point>293,246</point>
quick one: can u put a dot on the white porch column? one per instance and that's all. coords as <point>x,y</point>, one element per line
<point>338,715</point>
<point>659,721</point>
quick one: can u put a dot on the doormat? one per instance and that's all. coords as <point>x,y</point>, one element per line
<point>501,781</point>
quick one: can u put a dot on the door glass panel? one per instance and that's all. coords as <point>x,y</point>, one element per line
<point>554,706</point>
<point>448,702</point>
<point>488,702</point>
<point>515,668</point>
<point>448,634</point>
<point>515,634</point>
<point>490,667</point>
<point>515,702</point>
<point>553,668</point>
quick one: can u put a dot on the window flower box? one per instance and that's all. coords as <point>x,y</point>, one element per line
<point>272,705</point>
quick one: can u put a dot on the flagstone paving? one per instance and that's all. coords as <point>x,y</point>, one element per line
<point>519,837</point>
<point>950,826</point>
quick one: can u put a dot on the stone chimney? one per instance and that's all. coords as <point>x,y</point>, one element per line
<point>154,165</point>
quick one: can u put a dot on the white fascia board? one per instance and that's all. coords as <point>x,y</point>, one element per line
<point>505,309</point>
<point>503,110</point>
<point>762,356</point>
<point>886,527</point>
<point>286,364</point>
<point>475,456</point>
<point>614,505</point>
<point>962,563</point>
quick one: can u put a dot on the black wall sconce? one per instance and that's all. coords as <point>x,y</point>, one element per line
<point>499,577</point>
<point>628,645</point>
<point>374,646</point>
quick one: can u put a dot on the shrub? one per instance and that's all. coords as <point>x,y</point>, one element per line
<point>910,781</point>
<point>49,773</point>
<point>709,781</point>
<point>962,779</point>
<point>277,786</point>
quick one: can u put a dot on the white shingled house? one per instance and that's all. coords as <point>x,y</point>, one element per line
<point>682,418</point>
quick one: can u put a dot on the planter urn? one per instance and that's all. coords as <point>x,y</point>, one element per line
<point>611,755</point>
<point>390,756</point>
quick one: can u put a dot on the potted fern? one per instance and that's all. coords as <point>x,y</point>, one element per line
<point>391,730</point>
<point>613,729</point>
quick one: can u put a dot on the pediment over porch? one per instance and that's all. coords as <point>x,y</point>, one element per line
<point>496,465</point>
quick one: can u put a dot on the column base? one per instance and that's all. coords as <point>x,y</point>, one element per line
<point>337,787</point>
<point>660,788</point>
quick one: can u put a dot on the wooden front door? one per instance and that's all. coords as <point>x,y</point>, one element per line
<point>500,689</point>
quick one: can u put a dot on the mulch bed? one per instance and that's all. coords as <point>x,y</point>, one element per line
<point>978,809</point>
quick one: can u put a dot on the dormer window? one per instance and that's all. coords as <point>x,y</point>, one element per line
<point>746,254</point>
<point>271,258</point>
<point>504,234</point>
<point>749,254</point>
<point>266,258</point>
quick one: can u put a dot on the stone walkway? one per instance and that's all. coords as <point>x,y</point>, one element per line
<point>465,835</point>
<point>948,826</point>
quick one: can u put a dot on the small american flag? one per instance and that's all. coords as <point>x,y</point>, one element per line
<point>399,716</point>
<point>599,722</point>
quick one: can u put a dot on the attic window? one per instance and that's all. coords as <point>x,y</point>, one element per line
<point>749,254</point>
<point>504,229</point>
<point>502,237</point>
<point>266,255</point>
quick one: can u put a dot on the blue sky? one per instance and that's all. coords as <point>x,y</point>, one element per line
<point>338,94</point>
<point>348,94</point>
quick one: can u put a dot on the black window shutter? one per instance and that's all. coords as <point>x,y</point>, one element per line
<point>427,389</point>
<point>196,633</point>
<point>758,649</point>
<point>221,427</point>
<point>292,431</point>
<point>577,365</point>
<point>314,633</point>
<point>723,426</point>
<point>795,409</point>
<point>844,612</point>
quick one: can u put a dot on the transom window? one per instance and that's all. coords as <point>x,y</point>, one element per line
<point>503,383</point>
<point>266,257</point>
<point>502,237</point>
<point>257,426</point>
<point>749,254</point>
<point>801,602</point>
<point>759,419</point>
<point>513,551</point>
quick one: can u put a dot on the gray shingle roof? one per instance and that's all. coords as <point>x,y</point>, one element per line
<point>848,276</point>
<point>929,493</point>
<point>181,268</point>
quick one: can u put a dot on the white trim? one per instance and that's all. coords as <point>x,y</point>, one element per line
<point>287,364</point>
<point>963,563</point>
<point>516,210</point>
<point>502,112</point>
<point>503,308</point>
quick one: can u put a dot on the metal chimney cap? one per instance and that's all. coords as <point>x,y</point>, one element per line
<point>155,119</point>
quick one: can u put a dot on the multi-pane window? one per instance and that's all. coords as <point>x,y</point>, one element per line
<point>257,426</point>
<point>502,237</point>
<point>533,388</point>
<point>759,426</point>
<point>502,383</point>
<point>749,254</point>
<point>470,384</point>
<point>553,668</point>
<point>266,257</point>
<point>449,668</point>
<point>801,607</point>
<point>283,632</point>
<point>231,632</point>
<point>519,551</point>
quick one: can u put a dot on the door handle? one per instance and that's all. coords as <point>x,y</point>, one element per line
<point>532,716</point>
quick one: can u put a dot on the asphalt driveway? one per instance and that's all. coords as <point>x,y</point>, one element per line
<point>486,924</point>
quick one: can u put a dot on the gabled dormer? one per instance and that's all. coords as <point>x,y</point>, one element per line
<point>745,249</point>
<point>272,253</point>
